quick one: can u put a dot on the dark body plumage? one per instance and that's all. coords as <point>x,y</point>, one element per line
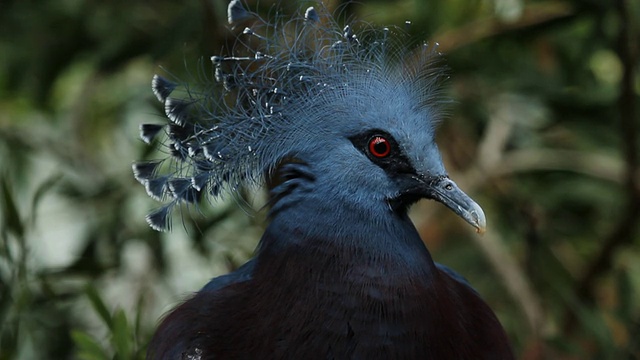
<point>312,300</point>
<point>340,272</point>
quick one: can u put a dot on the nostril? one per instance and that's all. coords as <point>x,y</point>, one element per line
<point>448,187</point>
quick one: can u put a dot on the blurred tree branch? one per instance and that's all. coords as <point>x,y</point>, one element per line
<point>622,233</point>
<point>534,15</point>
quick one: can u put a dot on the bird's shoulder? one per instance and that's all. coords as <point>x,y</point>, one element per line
<point>452,275</point>
<point>471,318</point>
<point>243,273</point>
<point>182,334</point>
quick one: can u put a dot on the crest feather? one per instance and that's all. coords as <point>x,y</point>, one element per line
<point>268,102</point>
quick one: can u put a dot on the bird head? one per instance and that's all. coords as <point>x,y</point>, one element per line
<point>357,109</point>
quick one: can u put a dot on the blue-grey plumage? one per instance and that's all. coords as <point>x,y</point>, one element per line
<point>345,119</point>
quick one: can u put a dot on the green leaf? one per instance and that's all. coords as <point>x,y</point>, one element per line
<point>88,347</point>
<point>99,306</point>
<point>137,325</point>
<point>122,339</point>
<point>11,219</point>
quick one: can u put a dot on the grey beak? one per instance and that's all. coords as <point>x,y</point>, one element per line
<point>446,191</point>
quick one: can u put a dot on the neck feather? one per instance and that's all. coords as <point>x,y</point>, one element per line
<point>343,234</point>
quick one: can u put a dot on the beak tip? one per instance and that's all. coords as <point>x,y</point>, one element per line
<point>479,220</point>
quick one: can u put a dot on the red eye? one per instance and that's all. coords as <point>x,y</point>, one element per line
<point>379,147</point>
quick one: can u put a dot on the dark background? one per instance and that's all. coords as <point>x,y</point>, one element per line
<point>542,132</point>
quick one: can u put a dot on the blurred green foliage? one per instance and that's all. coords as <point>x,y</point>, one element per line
<point>543,130</point>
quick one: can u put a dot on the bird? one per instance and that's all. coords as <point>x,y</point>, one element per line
<point>341,121</point>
